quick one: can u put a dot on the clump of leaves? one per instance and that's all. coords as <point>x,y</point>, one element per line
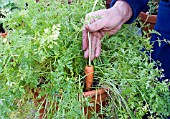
<point>6,6</point>
<point>152,7</point>
<point>132,77</point>
<point>43,52</point>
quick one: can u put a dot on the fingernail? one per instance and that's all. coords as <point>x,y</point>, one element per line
<point>86,27</point>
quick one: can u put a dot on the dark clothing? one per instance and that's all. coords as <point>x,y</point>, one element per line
<point>136,5</point>
<point>163,17</point>
<point>160,52</point>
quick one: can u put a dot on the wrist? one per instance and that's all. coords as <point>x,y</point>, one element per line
<point>124,10</point>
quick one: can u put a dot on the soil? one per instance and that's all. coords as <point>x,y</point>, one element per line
<point>2,30</point>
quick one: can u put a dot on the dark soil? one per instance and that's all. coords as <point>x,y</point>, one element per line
<point>2,30</point>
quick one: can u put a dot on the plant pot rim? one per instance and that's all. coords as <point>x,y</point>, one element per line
<point>94,92</point>
<point>148,18</point>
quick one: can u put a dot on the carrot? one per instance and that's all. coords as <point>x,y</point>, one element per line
<point>89,72</point>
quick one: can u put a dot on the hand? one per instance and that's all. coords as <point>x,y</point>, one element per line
<point>106,21</point>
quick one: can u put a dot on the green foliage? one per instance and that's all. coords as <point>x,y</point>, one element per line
<point>6,6</point>
<point>132,78</point>
<point>153,6</point>
<point>43,43</point>
<point>43,52</point>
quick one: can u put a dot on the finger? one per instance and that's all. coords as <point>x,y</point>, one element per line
<point>96,26</point>
<point>86,53</point>
<point>97,34</point>
<point>93,41</point>
<point>98,47</point>
<point>102,33</point>
<point>84,39</point>
<point>92,21</point>
<point>96,14</point>
<point>113,31</point>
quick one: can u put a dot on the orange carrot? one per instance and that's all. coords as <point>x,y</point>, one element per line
<point>89,72</point>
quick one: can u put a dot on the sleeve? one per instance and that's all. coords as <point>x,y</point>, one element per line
<point>163,17</point>
<point>136,5</point>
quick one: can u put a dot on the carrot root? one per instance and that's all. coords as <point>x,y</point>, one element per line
<point>89,72</point>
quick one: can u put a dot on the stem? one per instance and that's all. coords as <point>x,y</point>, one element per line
<point>90,51</point>
<point>89,36</point>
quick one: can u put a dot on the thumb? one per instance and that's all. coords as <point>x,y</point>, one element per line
<point>97,25</point>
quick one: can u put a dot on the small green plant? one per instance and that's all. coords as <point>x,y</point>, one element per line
<point>43,52</point>
<point>6,6</point>
<point>153,7</point>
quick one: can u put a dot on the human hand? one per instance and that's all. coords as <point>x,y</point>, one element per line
<point>106,21</point>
